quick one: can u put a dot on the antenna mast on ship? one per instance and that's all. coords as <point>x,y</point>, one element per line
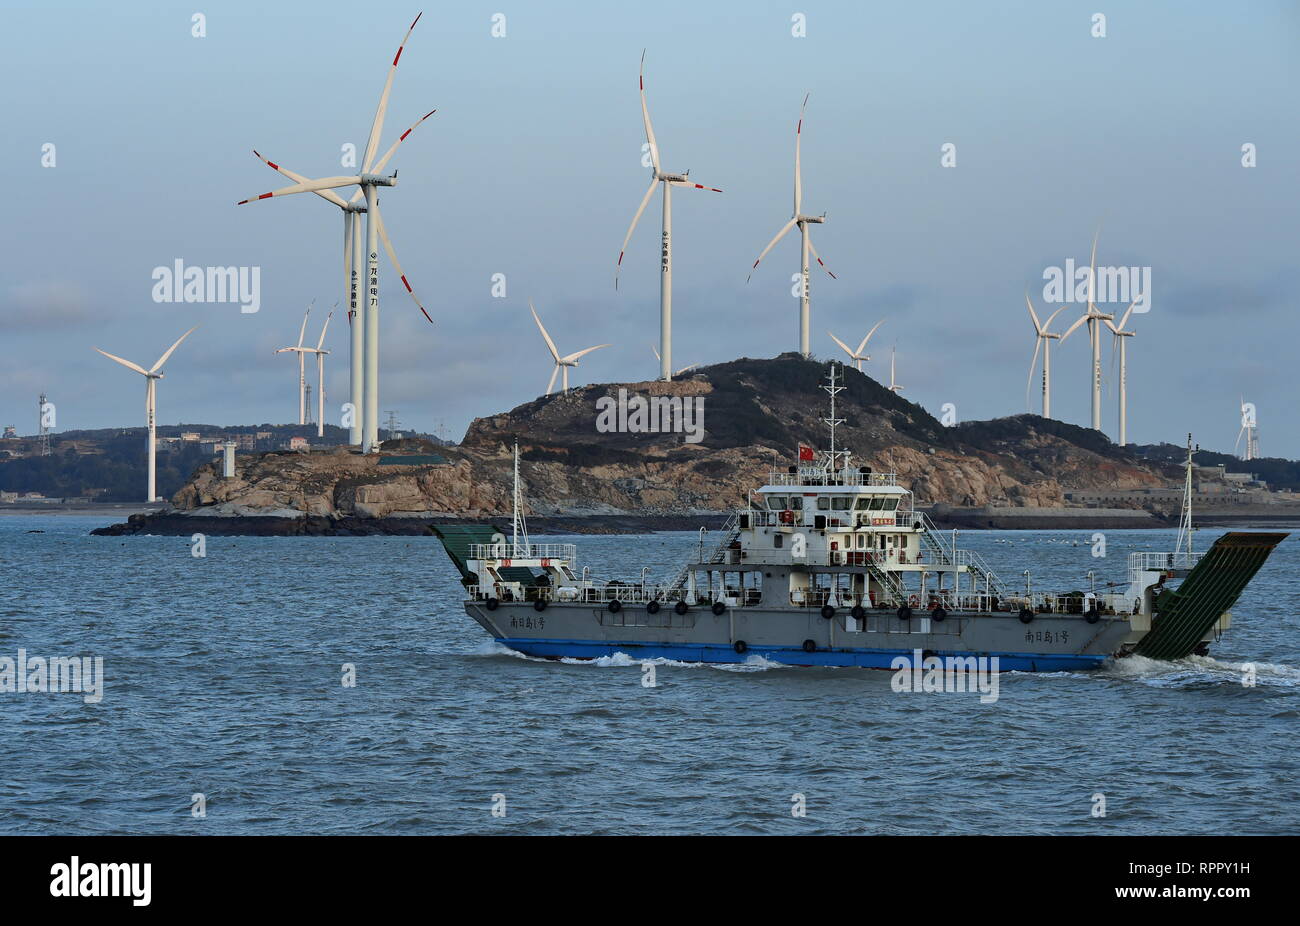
<point>834,388</point>
<point>516,504</point>
<point>1185,523</point>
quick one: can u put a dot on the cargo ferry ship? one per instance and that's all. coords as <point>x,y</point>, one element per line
<point>831,564</point>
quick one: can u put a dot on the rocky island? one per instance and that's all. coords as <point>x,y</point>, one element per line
<point>581,476</point>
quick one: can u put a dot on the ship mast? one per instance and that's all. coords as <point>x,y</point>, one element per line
<point>834,388</point>
<point>516,505</point>
<point>1185,523</point>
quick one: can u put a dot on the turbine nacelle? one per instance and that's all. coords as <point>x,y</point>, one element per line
<point>810,219</point>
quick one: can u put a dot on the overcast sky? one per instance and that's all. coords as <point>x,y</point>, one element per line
<point>531,168</point>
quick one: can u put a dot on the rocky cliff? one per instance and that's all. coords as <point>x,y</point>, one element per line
<point>755,414</point>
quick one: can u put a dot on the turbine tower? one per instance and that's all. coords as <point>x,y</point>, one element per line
<point>320,353</point>
<point>561,363</point>
<point>1042,341</point>
<point>365,339</point>
<point>1094,318</point>
<point>893,387</point>
<point>1121,342</point>
<point>680,370</point>
<point>806,247</point>
<point>151,375</point>
<point>1249,430</point>
<point>665,247</point>
<point>857,355</point>
<point>302,367</point>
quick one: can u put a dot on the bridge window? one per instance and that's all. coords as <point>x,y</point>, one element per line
<point>840,503</point>
<point>823,503</point>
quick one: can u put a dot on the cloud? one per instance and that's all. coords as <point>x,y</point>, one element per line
<point>44,305</point>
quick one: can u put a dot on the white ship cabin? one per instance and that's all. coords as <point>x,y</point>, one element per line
<point>845,538</point>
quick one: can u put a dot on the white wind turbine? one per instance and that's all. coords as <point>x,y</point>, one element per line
<point>680,371</point>
<point>354,270</point>
<point>857,355</point>
<point>1094,318</point>
<point>1043,339</point>
<point>803,221</point>
<point>364,312</point>
<point>151,375</point>
<point>1120,337</point>
<point>320,353</point>
<point>893,387</point>
<point>665,247</point>
<point>561,363</point>
<point>302,367</point>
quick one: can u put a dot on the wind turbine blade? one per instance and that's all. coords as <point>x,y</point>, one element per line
<point>1069,331</point>
<point>863,345</point>
<point>551,384</point>
<point>126,363</point>
<point>1038,344</point>
<point>1092,269</point>
<point>329,195</point>
<point>631,228</point>
<point>817,257</point>
<point>798,177</point>
<point>844,346</point>
<point>645,117</point>
<point>163,359</point>
<point>1048,324</point>
<point>377,126</point>
<point>311,186</point>
<point>691,184</point>
<point>392,255</point>
<point>656,350</point>
<point>549,343</point>
<point>1038,328</point>
<point>689,366</point>
<point>382,162</point>
<point>583,353</point>
<point>771,244</point>
<point>1124,319</point>
<point>302,332</point>
<point>324,328</point>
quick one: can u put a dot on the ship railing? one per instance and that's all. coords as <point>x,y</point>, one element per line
<point>626,594</point>
<point>1072,603</point>
<point>817,476</point>
<point>1177,561</point>
<point>507,550</point>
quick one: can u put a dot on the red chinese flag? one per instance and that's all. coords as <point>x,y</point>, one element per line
<point>806,454</point>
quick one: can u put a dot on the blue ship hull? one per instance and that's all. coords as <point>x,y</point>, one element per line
<point>794,656</point>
